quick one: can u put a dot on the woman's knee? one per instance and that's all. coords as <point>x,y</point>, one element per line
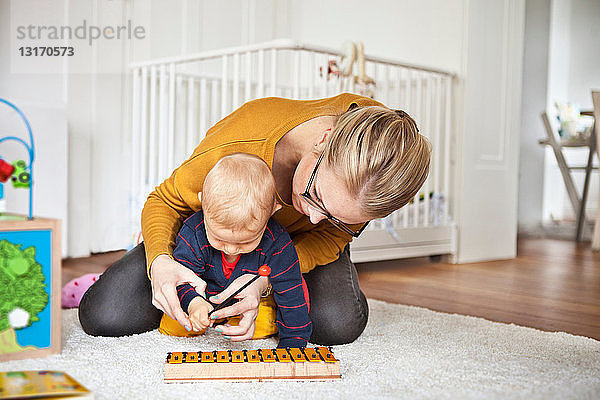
<point>339,323</point>
<point>97,320</point>
<point>119,302</point>
<point>339,310</point>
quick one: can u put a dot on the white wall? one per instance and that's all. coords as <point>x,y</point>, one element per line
<point>427,32</point>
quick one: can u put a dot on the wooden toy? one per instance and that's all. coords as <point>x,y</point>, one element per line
<point>313,364</point>
<point>30,277</point>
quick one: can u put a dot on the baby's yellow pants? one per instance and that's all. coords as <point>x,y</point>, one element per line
<point>264,325</point>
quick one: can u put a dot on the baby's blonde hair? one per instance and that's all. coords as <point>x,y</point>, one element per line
<point>239,192</point>
<point>381,157</point>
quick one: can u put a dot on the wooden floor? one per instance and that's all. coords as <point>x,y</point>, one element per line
<point>552,285</point>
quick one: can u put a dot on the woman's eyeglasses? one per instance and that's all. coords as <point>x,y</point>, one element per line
<point>333,220</point>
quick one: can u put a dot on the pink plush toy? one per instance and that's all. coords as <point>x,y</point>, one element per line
<point>73,291</point>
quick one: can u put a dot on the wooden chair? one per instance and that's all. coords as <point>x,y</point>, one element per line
<point>596,132</point>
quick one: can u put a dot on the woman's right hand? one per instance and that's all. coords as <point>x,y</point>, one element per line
<point>166,274</point>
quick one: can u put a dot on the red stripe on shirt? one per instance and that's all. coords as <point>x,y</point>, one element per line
<point>190,246</point>
<point>271,233</point>
<point>201,222</point>
<point>275,276</point>
<point>183,294</point>
<point>293,327</point>
<point>279,252</point>
<point>298,337</point>
<point>287,290</point>
<point>303,304</point>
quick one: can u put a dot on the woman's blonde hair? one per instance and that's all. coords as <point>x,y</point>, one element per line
<point>239,192</point>
<point>380,155</point>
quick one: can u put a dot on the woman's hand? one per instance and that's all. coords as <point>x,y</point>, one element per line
<point>246,307</point>
<point>166,275</point>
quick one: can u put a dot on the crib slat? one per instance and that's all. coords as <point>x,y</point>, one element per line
<point>435,157</point>
<point>171,129</point>
<point>418,115</point>
<point>235,101</point>
<point>406,78</point>
<point>203,111</point>
<point>248,80</point>
<point>274,72</point>
<point>427,133</point>
<point>447,132</point>
<point>214,103</point>
<point>371,68</point>
<point>387,77</point>
<point>224,87</point>
<point>135,136</point>
<point>324,69</point>
<point>261,74</point>
<point>143,146</point>
<point>180,137</point>
<point>191,116</point>
<point>163,124</point>
<point>296,94</point>
<point>152,162</point>
<point>397,89</point>
<point>312,68</point>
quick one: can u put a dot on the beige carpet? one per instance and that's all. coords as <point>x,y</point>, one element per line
<point>405,352</point>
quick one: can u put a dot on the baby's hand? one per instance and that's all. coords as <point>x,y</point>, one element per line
<point>198,310</point>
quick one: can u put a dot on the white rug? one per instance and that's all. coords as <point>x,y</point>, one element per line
<point>405,352</point>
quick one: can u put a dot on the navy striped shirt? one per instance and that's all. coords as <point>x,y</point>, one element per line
<point>275,250</point>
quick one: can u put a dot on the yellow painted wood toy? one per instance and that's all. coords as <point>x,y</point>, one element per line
<point>314,364</point>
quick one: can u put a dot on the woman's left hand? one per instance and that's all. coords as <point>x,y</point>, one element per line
<point>246,307</point>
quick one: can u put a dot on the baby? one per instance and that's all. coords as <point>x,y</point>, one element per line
<point>234,235</point>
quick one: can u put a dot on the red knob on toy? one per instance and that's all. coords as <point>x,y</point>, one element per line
<point>265,270</point>
<point>6,170</point>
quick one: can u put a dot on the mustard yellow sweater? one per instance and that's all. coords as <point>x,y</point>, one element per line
<point>254,128</point>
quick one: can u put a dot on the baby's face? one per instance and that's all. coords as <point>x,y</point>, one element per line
<point>233,242</point>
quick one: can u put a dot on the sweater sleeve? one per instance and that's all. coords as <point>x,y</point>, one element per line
<point>187,253</point>
<point>293,322</point>
<point>170,203</point>
<point>162,217</point>
<point>321,245</point>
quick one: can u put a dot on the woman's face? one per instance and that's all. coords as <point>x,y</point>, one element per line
<point>327,189</point>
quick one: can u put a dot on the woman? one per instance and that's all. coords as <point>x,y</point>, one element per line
<point>338,163</point>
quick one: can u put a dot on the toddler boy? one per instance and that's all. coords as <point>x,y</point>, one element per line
<point>232,235</point>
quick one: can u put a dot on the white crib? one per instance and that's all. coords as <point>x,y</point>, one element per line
<point>176,100</point>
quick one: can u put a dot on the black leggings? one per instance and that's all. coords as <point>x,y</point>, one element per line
<point>120,302</point>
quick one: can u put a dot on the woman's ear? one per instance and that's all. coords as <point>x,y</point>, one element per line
<point>321,140</point>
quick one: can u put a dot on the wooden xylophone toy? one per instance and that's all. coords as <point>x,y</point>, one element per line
<point>314,364</point>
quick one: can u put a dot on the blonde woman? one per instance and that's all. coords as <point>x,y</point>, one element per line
<point>338,163</point>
